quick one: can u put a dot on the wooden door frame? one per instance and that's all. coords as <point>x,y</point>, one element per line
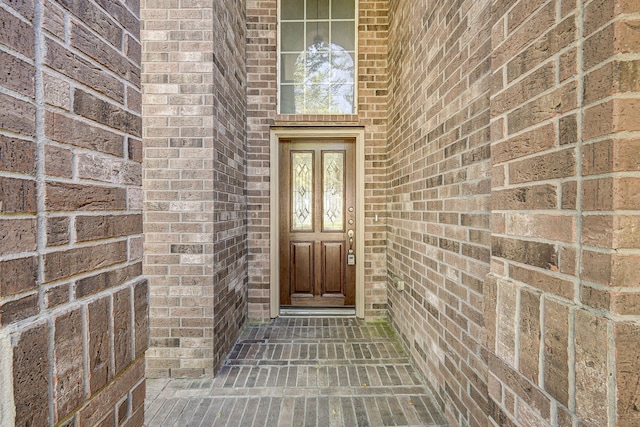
<point>357,133</point>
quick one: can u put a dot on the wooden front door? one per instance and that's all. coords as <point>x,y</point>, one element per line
<point>317,222</point>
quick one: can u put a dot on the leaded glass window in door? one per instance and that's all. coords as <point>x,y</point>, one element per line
<point>333,191</point>
<point>302,190</point>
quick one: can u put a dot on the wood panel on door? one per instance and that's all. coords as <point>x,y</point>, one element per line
<point>316,214</point>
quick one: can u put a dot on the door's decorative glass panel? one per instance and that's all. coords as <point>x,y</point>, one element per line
<point>302,191</point>
<point>333,189</point>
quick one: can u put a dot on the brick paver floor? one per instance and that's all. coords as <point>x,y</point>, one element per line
<point>302,372</point>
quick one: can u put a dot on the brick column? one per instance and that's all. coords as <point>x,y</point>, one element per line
<point>262,92</point>
<point>561,302</point>
<point>73,304</point>
<point>610,233</point>
<point>194,180</point>
<point>534,130</point>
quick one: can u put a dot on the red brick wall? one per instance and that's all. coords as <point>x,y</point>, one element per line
<point>73,304</point>
<point>262,93</point>
<point>439,189</point>
<point>194,179</point>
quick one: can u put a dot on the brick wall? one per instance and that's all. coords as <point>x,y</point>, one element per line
<point>262,18</point>
<point>546,338</point>
<point>194,179</point>
<point>230,179</point>
<point>500,160</point>
<point>562,297</point>
<point>535,150</point>
<point>439,194</point>
<point>73,305</point>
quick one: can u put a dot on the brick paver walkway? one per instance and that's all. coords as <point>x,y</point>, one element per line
<point>302,372</point>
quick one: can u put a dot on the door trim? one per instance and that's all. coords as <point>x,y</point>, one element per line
<point>276,134</point>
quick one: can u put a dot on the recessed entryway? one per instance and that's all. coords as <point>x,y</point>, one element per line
<point>317,218</point>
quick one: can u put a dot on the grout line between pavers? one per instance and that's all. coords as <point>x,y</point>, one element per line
<point>270,368</point>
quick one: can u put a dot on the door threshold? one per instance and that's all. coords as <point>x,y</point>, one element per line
<point>297,311</point>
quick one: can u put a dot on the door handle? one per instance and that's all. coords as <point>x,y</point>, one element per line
<point>351,256</point>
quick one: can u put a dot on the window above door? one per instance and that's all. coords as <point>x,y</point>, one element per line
<point>317,57</point>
